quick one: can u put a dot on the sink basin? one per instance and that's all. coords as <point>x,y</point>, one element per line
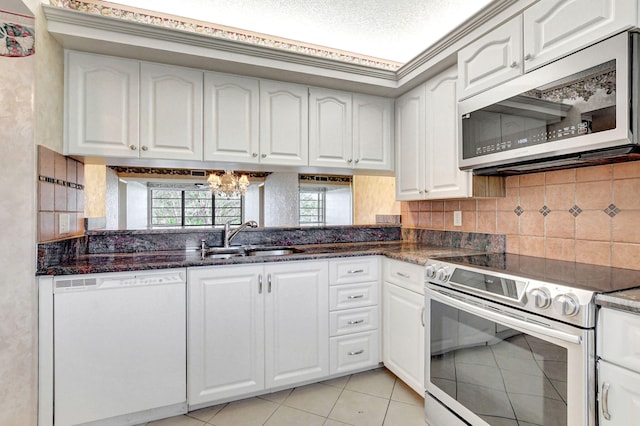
<point>271,251</point>
<point>214,251</point>
<point>222,255</point>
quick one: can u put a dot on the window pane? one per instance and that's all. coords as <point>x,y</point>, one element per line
<point>228,210</point>
<point>312,207</point>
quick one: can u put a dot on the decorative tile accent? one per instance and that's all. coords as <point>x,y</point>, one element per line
<point>612,210</point>
<point>97,7</point>
<point>518,211</point>
<point>575,210</point>
<point>544,210</point>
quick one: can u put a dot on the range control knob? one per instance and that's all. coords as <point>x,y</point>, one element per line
<point>541,297</point>
<point>442,274</point>
<point>430,272</point>
<point>566,304</point>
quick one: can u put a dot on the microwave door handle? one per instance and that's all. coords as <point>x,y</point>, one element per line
<point>504,319</point>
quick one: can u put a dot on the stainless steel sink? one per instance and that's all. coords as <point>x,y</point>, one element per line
<point>223,255</point>
<point>271,252</point>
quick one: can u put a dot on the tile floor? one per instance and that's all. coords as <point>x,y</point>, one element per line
<point>370,398</point>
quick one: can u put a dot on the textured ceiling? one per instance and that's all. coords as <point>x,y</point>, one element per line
<point>395,30</point>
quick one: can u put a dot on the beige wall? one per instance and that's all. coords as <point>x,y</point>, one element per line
<point>31,91</point>
<point>373,195</point>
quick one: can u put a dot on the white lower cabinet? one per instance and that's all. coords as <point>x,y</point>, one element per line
<point>618,350</point>
<point>253,328</point>
<point>354,342</point>
<point>403,322</point>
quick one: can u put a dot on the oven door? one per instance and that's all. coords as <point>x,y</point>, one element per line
<point>494,365</point>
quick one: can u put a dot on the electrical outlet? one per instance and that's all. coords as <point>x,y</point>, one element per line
<point>457,218</point>
<point>64,224</point>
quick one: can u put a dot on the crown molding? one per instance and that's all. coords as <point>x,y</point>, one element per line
<point>127,38</point>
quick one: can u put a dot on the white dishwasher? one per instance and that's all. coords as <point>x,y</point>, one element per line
<point>119,347</point>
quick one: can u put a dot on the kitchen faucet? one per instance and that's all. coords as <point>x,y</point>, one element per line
<point>229,234</point>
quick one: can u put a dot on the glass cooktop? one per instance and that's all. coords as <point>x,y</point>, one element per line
<point>599,279</point>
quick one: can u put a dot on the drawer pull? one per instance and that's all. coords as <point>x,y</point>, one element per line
<point>605,401</point>
<point>268,283</point>
<point>260,284</point>
<point>356,352</point>
<point>422,317</point>
<point>400,274</point>
<point>357,296</point>
<point>355,271</point>
<point>360,321</point>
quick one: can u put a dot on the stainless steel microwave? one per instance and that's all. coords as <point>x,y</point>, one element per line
<point>579,110</point>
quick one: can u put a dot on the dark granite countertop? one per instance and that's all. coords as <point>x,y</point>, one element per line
<point>627,300</point>
<point>116,262</point>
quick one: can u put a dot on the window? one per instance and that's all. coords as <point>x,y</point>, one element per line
<point>312,206</point>
<point>175,207</point>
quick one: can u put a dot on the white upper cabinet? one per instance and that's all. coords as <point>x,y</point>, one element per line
<point>284,124</point>
<point>555,28</point>
<point>330,128</point>
<point>372,132</point>
<point>427,142</point>
<point>231,125</point>
<point>544,32</point>
<point>350,130</point>
<point>170,112</point>
<point>443,177</point>
<point>410,145</point>
<point>101,105</point>
<point>494,58</point>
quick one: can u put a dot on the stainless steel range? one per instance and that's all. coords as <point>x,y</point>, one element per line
<point>511,339</point>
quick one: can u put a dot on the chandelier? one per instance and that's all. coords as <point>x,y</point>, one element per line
<point>228,184</point>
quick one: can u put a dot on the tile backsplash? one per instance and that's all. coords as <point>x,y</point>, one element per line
<point>60,191</point>
<point>587,215</point>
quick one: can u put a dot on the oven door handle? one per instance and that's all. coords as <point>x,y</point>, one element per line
<point>505,319</point>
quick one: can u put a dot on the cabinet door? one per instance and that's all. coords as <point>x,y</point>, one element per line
<point>330,128</point>
<point>101,105</point>
<point>410,132</point>
<point>443,177</point>
<point>284,124</point>
<point>170,112</point>
<point>403,334</point>
<point>618,395</point>
<point>372,132</point>
<point>296,322</point>
<point>491,60</point>
<point>555,28</point>
<point>225,332</point>
<point>231,118</point>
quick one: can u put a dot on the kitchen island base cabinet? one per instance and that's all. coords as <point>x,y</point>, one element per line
<point>254,328</point>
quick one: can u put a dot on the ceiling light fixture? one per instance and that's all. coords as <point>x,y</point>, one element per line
<point>228,184</point>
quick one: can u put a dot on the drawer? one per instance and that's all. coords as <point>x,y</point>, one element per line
<point>619,338</point>
<point>405,275</point>
<point>353,352</point>
<point>353,321</point>
<point>353,295</point>
<point>354,270</point>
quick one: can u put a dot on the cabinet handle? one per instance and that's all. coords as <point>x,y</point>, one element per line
<point>269,283</point>
<point>144,148</point>
<point>260,284</point>
<point>355,271</point>
<point>400,274</point>
<point>357,160</point>
<point>356,352</point>
<point>605,401</point>
<point>422,317</point>
<point>357,296</point>
<point>264,155</point>
<point>349,160</point>
<point>133,147</point>
<point>528,56</point>
<point>255,154</point>
<point>360,321</point>
<point>514,64</point>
